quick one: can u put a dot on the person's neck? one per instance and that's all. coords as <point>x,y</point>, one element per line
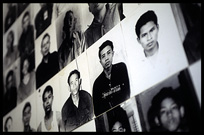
<point>48,115</point>
<point>75,99</point>
<point>152,51</point>
<point>99,17</point>
<point>107,72</point>
<point>45,58</point>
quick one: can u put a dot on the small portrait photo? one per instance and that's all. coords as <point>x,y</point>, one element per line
<point>48,106</point>
<point>43,17</point>
<point>46,60</point>
<point>27,78</point>
<point>25,29</point>
<point>70,37</point>
<point>108,71</point>
<point>153,45</point>
<point>25,119</point>
<point>9,15</point>
<point>122,118</point>
<point>10,47</point>
<point>76,100</point>
<point>165,106</point>
<point>11,81</point>
<point>104,17</point>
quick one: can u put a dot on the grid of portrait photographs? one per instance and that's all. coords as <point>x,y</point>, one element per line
<point>101,67</point>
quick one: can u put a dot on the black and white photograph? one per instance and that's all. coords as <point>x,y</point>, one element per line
<point>77,106</point>
<point>9,15</point>
<point>25,119</point>
<point>153,45</point>
<point>43,17</point>
<point>70,37</point>
<point>73,67</point>
<point>47,63</point>
<point>25,29</point>
<point>106,59</point>
<point>27,78</point>
<point>11,81</point>
<point>165,107</point>
<point>10,47</point>
<point>122,118</point>
<point>105,17</point>
<point>48,109</point>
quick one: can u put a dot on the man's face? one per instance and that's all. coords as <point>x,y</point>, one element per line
<point>94,8</point>
<point>26,22</point>
<point>27,116</point>
<point>45,47</point>
<point>74,83</point>
<point>9,82</point>
<point>47,103</point>
<point>9,125</point>
<point>9,40</point>
<point>70,20</point>
<point>117,127</point>
<point>170,115</point>
<point>25,66</point>
<point>106,57</point>
<point>148,36</point>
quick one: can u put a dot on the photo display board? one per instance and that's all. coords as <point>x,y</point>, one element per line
<point>101,67</point>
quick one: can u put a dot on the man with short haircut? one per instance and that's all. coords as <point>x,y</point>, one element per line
<point>26,118</point>
<point>52,119</point>
<point>49,65</point>
<point>26,41</point>
<point>112,86</point>
<point>78,109</point>
<point>147,30</point>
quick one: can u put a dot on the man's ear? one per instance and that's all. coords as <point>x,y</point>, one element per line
<point>80,81</point>
<point>182,111</point>
<point>156,120</point>
<point>138,40</point>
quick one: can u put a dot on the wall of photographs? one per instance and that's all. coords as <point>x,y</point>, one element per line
<point>101,67</point>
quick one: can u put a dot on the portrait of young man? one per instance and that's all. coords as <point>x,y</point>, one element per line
<point>49,64</point>
<point>52,119</point>
<point>78,108</point>
<point>112,86</point>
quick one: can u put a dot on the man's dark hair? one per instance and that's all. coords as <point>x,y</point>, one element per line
<point>47,89</point>
<point>71,73</point>
<point>46,35</point>
<point>145,18</point>
<point>106,43</point>
<point>27,104</point>
<point>5,126</point>
<point>65,27</point>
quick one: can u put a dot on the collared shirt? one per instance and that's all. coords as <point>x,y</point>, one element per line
<point>72,116</point>
<point>109,93</point>
<point>71,49</point>
<point>47,70</point>
<point>96,30</point>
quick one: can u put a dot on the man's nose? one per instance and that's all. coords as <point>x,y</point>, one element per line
<point>149,36</point>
